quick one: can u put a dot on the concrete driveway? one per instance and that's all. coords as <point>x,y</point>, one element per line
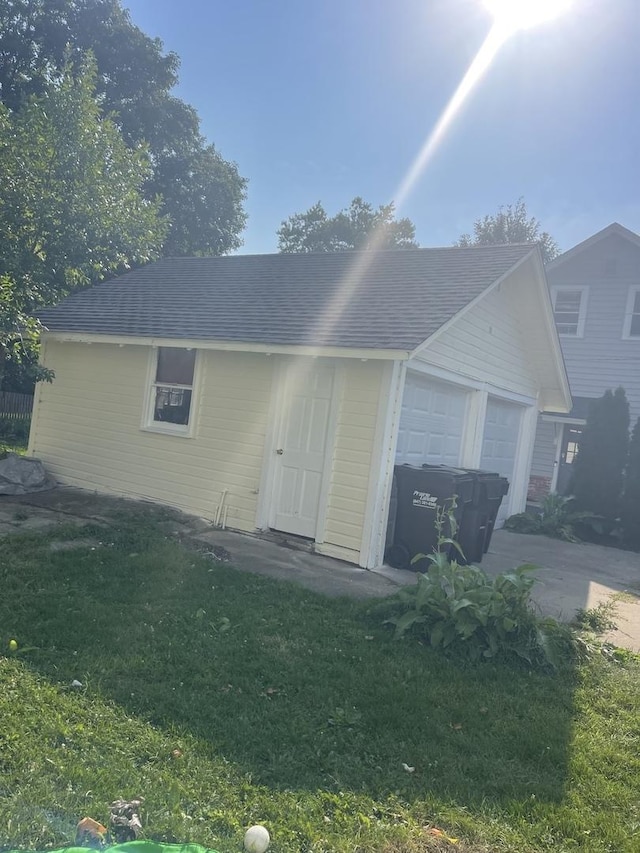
<point>575,576</point>
<point>571,576</point>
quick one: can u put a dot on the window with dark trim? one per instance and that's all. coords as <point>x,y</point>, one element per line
<point>172,390</point>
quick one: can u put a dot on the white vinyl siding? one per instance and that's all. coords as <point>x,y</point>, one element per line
<point>632,317</point>
<point>353,446</point>
<point>487,344</point>
<point>87,429</point>
<point>570,310</point>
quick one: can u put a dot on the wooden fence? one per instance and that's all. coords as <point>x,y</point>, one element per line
<point>15,406</point>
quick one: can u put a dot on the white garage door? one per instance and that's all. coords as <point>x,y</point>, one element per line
<point>500,444</point>
<point>431,422</point>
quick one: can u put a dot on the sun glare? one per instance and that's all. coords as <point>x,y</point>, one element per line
<point>509,16</point>
<point>512,15</point>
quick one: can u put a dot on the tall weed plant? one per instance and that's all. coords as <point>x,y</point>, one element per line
<point>461,610</point>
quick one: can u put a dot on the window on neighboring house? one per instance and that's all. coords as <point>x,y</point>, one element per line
<point>172,390</point>
<point>632,319</point>
<point>569,310</point>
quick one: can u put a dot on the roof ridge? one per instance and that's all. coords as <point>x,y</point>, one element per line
<point>347,252</point>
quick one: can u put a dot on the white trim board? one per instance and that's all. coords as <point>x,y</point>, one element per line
<point>524,456</point>
<point>383,459</point>
<point>560,420</point>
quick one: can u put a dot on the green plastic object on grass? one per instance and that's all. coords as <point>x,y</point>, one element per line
<point>134,847</point>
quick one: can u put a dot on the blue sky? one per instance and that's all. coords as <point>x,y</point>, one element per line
<point>332,99</point>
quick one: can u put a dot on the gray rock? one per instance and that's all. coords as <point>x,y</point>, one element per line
<point>20,475</point>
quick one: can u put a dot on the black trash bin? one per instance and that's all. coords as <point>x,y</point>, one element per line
<point>480,519</point>
<point>419,493</point>
<point>473,523</point>
<point>493,489</point>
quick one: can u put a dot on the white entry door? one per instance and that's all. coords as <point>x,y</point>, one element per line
<point>500,444</point>
<point>301,451</point>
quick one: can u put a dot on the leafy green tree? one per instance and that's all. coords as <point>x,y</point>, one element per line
<point>202,193</point>
<point>351,228</point>
<point>598,468</point>
<point>203,196</point>
<point>72,209</point>
<point>630,513</point>
<point>511,224</point>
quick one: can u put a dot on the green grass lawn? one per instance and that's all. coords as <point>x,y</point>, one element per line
<point>227,699</point>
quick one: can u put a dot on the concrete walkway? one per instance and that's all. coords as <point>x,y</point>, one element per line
<point>572,576</point>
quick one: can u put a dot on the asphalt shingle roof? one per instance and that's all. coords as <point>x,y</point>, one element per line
<point>378,300</point>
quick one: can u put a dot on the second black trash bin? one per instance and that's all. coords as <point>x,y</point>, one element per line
<point>494,488</point>
<point>419,493</point>
<point>479,518</point>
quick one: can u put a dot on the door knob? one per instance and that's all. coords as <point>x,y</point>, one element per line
<point>279,451</point>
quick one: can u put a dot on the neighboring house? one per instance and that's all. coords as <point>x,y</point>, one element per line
<point>277,391</point>
<point>595,291</point>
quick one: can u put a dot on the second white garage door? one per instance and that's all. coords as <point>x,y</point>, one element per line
<point>500,444</point>
<point>432,422</point>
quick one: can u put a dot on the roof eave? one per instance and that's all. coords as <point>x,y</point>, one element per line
<point>229,346</point>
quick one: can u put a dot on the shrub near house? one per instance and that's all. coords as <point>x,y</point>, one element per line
<point>630,513</point>
<point>599,468</point>
<point>557,518</point>
<point>605,501</point>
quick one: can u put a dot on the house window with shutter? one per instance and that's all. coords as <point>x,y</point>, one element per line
<point>570,310</point>
<point>632,317</point>
<point>171,391</point>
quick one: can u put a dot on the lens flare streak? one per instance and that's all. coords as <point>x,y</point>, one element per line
<point>320,333</point>
<point>479,65</point>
